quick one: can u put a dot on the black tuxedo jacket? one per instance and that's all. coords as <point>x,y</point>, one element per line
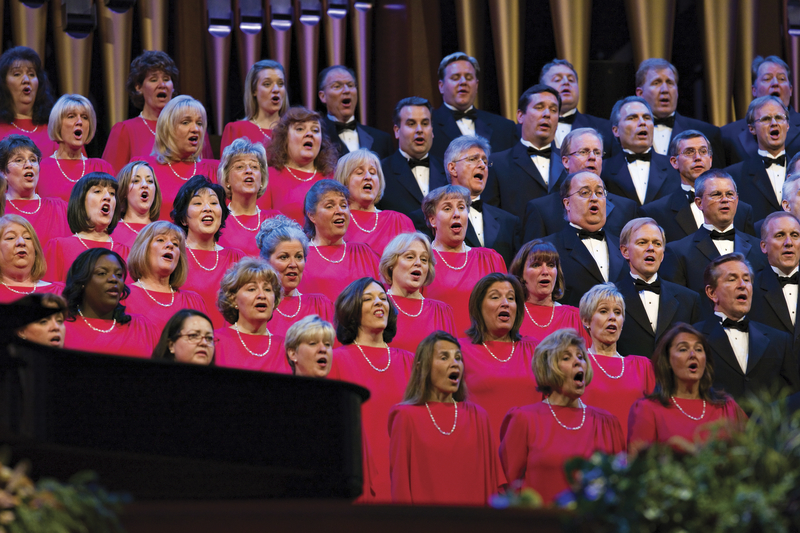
<point>739,144</point>
<point>674,214</point>
<point>370,138</point>
<point>514,180</point>
<point>769,305</point>
<point>402,191</point>
<point>499,131</point>
<point>663,179</point>
<point>752,182</point>
<point>676,304</point>
<point>545,216</point>
<point>712,133</point>
<point>771,361</point>
<point>579,267</point>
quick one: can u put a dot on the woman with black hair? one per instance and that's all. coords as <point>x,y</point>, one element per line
<point>188,337</point>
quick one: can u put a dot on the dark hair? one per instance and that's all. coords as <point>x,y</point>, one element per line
<point>314,196</point>
<point>477,330</point>
<point>772,216</point>
<point>674,145</point>
<point>44,94</point>
<point>79,274</point>
<point>77,217</point>
<point>172,331</point>
<point>419,383</point>
<point>541,251</point>
<point>653,63</point>
<point>758,61</point>
<point>149,61</point>
<point>278,151</point>
<point>527,96</point>
<point>617,109</point>
<point>712,173</point>
<point>406,102</point>
<point>348,312</point>
<point>13,144</point>
<point>711,273</point>
<point>555,63</point>
<point>327,70</point>
<point>190,189</point>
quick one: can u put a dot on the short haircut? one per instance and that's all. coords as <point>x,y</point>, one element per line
<point>460,145</point>
<point>278,151</point>
<point>601,292</point>
<point>323,75</point>
<point>789,188</point>
<point>712,272</point>
<point>566,185</point>
<point>758,61</point>
<point>276,230</point>
<point>397,247</point>
<point>77,216</point>
<point>348,312</point>
<point>149,61</point>
<point>165,147</point>
<point>526,97</point>
<point>634,225</point>
<point>477,330</point>
<point>712,173</point>
<point>139,256</point>
<point>549,376</point>
<point>124,181</point>
<point>675,143</point>
<point>770,218</point>
<point>791,168</point>
<point>431,201</point>
<point>573,135</point>
<point>555,63</point>
<point>420,387</point>
<point>458,56</point>
<point>39,264</point>
<point>760,102</point>
<point>251,106</point>
<point>11,145</point>
<point>172,332</point>
<point>190,189</point>
<point>541,251</point>
<point>351,161</point>
<point>71,103</point>
<point>247,270</point>
<point>242,147</point>
<point>411,101</point>
<point>309,328</point>
<point>315,195</point>
<point>44,95</point>
<point>653,63</point>
<point>617,109</point>
<point>79,274</point>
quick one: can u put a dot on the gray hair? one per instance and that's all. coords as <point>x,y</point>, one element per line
<point>432,199</point>
<point>566,144</point>
<point>760,102</point>
<point>242,147</point>
<point>276,230</point>
<point>460,145</point>
<point>351,161</point>
<point>597,294</point>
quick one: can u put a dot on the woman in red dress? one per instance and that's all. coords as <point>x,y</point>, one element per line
<point>247,298</point>
<point>96,320</point>
<point>139,200</point>
<point>538,267</point>
<point>621,380</point>
<point>332,262</point>
<point>446,212</point>
<point>72,126</point>
<point>538,439</point>
<point>22,263</point>
<point>366,322</point>
<point>25,97</point>
<point>265,102</point>
<point>284,245</point>
<point>48,330</point>
<point>188,337</point>
<point>299,156</point>
<point>432,461</point>
<point>200,211</point>
<point>243,175</point>
<point>361,173</point>
<point>408,265</point>
<point>684,403</point>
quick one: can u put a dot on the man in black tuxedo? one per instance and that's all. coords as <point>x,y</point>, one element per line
<point>533,166</point>
<point>411,172</point>
<point>677,214</point>
<point>771,76</point>
<point>657,82</point>
<point>652,304</point>
<point>458,83</point>
<point>748,356</point>
<point>587,253</point>
<point>638,172</point>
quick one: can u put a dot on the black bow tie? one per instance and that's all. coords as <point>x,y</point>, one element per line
<point>794,279</point>
<point>599,235</point>
<point>477,205</point>
<point>666,121</point>
<point>723,235</point>
<point>642,285</point>
<point>544,152</point>
<point>630,158</point>
<point>569,119</point>
<point>344,126</point>
<point>689,195</point>
<point>413,163</point>
<point>769,161</point>
<point>742,325</point>
<point>471,114</point>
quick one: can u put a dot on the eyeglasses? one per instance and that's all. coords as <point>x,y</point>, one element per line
<point>20,161</point>
<point>196,338</point>
<point>717,196</point>
<point>473,160</point>
<point>767,119</point>
<point>585,153</point>
<point>587,193</point>
<point>241,167</point>
<point>690,152</point>
<point>338,86</point>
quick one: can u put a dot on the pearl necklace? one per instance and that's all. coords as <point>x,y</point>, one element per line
<point>171,291</point>
<point>388,353</point>
<point>455,419</point>
<point>194,171</point>
<point>129,227</point>
<point>301,179</point>
<point>299,304</point>
<point>583,415</point>
<point>687,414</point>
<point>366,230</point>
<point>19,292</point>
<point>421,306</point>
<point>38,206</point>
<point>267,137</point>
<point>236,327</point>
<point>23,129</point>
<point>146,124</point>
<point>466,259</point>
<point>513,346</point>
<point>594,358</point>
<point>83,169</point>
<point>110,239</point>
<point>344,253</point>
<point>114,323</point>
<point>552,314</point>
<point>258,224</point>
<point>216,260</point>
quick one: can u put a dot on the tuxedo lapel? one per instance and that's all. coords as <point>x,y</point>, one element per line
<point>634,305</point>
<point>756,347</point>
<point>581,254</point>
<point>622,176</point>
<point>482,128</point>
<point>720,343</point>
<point>616,263</point>
<point>405,177</point>
<point>472,237</point>
<point>773,294</point>
<point>656,179</point>
<point>524,161</point>
<point>365,140</point>
<point>740,245</point>
<point>759,177</point>
<point>556,166</point>
<point>683,212</point>
<point>748,142</point>
<point>667,307</point>
<point>491,227</point>
<point>448,123</point>
<point>703,242</point>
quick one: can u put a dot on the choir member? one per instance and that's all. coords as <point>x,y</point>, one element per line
<point>139,200</point>
<point>72,126</point>
<point>684,402</point>
<point>446,213</point>
<point>96,320</point>
<point>49,330</point>
<point>408,265</point>
<point>299,156</point>
<point>22,262</point>
<point>333,263</point>
<point>187,337</point>
<point>266,100</point>
<point>433,462</point>
<point>25,97</point>
<point>243,176</point>
<point>92,216</point>
<point>284,245</point>
<point>538,439</point>
<point>622,380</point>
<point>200,211</point>
<point>538,268</point>
<point>360,171</point>
<point>366,322</point>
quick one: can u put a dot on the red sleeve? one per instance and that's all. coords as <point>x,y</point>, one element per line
<point>400,436</point>
<point>118,147</point>
<point>448,321</point>
<point>514,444</point>
<point>195,301</point>
<point>52,255</point>
<point>208,153</point>
<point>227,138</point>
<point>650,376</point>
<point>642,429</point>
<point>498,265</point>
<point>613,438</point>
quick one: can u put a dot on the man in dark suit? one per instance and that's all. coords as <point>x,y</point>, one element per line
<point>638,172</point>
<point>533,166</point>
<point>677,214</point>
<point>652,304</point>
<point>339,93</point>
<point>748,356</point>
<point>657,82</point>
<point>458,83</point>
<point>411,172</point>
<point>587,253</point>
<point>771,76</point>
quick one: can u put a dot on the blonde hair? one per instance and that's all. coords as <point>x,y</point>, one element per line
<point>348,163</point>
<point>39,263</point>
<point>419,386</point>
<point>124,179</point>
<point>139,257</point>
<point>397,247</point>
<point>309,328</point>
<point>596,295</point>
<point>67,104</point>
<point>242,147</point>
<point>240,274</point>
<point>545,359</point>
<point>164,147</point>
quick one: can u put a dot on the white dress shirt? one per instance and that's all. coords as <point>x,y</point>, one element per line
<point>348,137</point>
<point>789,293</point>
<point>599,251</point>
<point>421,174</point>
<point>661,137</point>
<point>740,342</point>
<point>640,174</point>
<point>724,247</point>
<point>542,163</point>
<point>650,301</point>
<point>466,125</point>
<point>564,128</point>
<point>696,213</point>
<point>476,220</point>
<point>777,174</point>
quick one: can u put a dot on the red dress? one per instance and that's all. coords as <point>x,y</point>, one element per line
<point>10,294</point>
<point>564,316</point>
<point>61,252</point>
<point>53,183</point>
<point>232,351</point>
<point>137,338</point>
<point>649,421</point>
<point>618,395</point>
<point>244,128</point>
<point>414,324</point>
<point>535,447</point>
<point>126,233</point>
<point>171,178</point>
<point>206,268</point>
<point>386,390</point>
<point>142,302</point>
<point>453,286</point>
<point>377,232</point>
<point>48,219</point>
<point>325,277</point>
<point>430,468</point>
<point>294,308</point>
<point>498,386</point>
<point>38,134</point>
<point>240,231</point>
<point>286,193</point>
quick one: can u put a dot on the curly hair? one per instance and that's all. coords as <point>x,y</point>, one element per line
<point>278,151</point>
<point>44,95</point>
<point>149,61</point>
<point>247,270</point>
